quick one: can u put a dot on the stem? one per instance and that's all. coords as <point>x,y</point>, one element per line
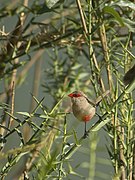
<point>63,150</point>
<point>106,54</point>
<point>82,16</point>
<point>92,58</point>
<point>115,128</point>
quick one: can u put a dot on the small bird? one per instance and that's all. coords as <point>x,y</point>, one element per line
<point>129,76</point>
<point>83,108</point>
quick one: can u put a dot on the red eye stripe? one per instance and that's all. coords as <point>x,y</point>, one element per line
<point>75,95</point>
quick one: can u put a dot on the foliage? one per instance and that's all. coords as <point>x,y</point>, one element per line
<point>85,45</point>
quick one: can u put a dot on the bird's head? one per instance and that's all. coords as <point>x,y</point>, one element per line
<point>76,94</point>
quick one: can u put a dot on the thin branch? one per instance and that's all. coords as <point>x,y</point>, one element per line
<point>82,17</point>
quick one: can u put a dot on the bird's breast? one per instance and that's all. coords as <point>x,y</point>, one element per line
<point>83,112</point>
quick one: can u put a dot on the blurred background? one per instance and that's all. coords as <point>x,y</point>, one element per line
<point>49,49</point>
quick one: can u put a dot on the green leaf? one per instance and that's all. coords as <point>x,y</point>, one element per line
<point>42,116</point>
<point>100,125</point>
<point>129,23</point>
<point>76,67</point>
<point>126,4</point>
<point>114,13</point>
<point>83,75</point>
<point>51,3</point>
<point>75,137</point>
<point>24,113</point>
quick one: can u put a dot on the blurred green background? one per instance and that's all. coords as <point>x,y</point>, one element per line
<point>49,49</point>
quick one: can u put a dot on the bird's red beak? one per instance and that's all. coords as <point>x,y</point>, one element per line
<point>71,95</point>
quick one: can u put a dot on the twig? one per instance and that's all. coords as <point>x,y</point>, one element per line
<point>82,17</point>
<point>12,104</point>
<point>106,54</point>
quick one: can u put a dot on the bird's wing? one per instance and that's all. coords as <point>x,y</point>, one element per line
<point>90,101</point>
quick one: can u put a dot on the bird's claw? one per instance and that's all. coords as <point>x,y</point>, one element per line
<point>86,134</point>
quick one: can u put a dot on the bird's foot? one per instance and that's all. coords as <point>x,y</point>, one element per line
<point>86,134</point>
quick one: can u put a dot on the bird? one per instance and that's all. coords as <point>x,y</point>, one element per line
<point>129,76</point>
<point>84,108</point>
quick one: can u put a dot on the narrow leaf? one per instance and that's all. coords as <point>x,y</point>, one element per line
<point>24,113</point>
<point>114,13</point>
<point>51,3</point>
<point>100,125</point>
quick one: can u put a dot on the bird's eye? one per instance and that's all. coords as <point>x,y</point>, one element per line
<point>77,95</point>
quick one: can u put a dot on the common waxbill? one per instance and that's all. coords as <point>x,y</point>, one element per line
<point>83,108</point>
